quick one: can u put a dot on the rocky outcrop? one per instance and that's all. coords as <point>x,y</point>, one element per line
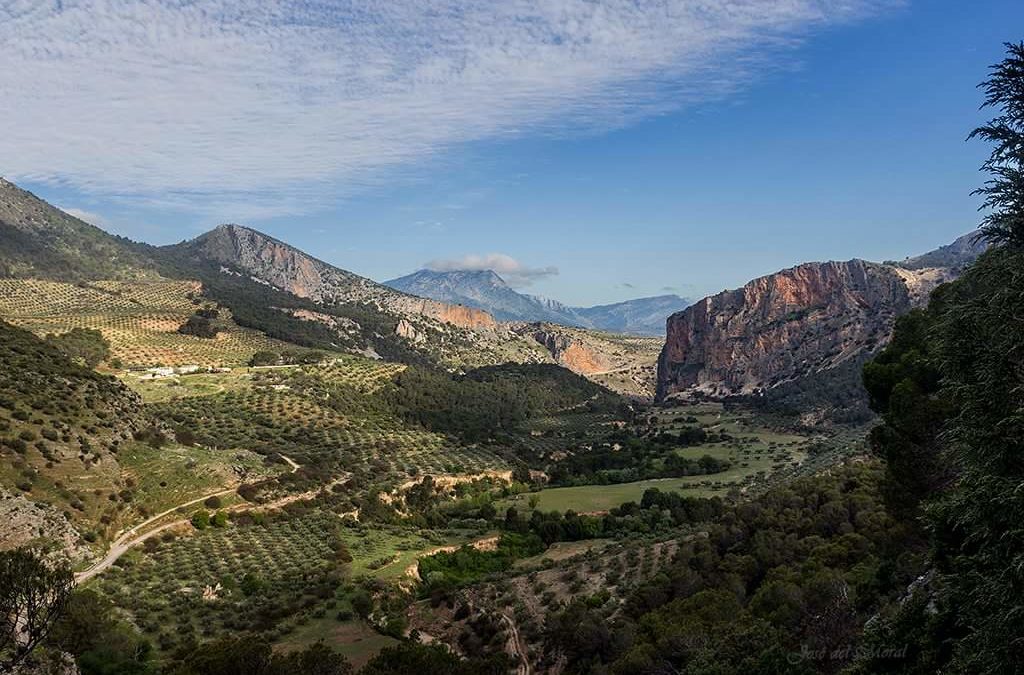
<point>568,350</point>
<point>270,261</point>
<point>623,363</point>
<point>787,325</point>
<point>457,315</point>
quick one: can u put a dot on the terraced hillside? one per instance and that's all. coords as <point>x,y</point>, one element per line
<point>140,319</point>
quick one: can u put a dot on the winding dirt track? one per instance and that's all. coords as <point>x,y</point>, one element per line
<point>131,538</point>
<point>516,647</point>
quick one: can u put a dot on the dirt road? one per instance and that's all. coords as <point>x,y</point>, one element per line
<point>131,538</point>
<point>516,646</point>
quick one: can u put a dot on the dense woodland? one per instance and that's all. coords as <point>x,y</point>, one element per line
<point>495,401</point>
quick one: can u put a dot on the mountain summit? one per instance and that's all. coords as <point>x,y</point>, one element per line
<point>486,290</point>
<point>270,261</point>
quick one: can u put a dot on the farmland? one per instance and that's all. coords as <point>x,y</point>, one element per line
<point>321,517</point>
<point>753,451</point>
<point>140,319</point>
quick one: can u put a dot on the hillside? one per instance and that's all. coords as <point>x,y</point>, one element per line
<point>803,322</point>
<point>38,240</point>
<point>486,290</point>
<point>282,291</point>
<point>61,428</point>
<point>60,272</point>
<point>623,363</point>
<point>284,267</point>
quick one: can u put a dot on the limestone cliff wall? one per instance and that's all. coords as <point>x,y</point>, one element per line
<point>786,325</point>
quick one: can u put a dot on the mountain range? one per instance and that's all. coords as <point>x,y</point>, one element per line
<point>814,321</point>
<point>486,290</point>
<point>272,291</point>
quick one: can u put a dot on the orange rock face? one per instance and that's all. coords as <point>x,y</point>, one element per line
<point>467,317</point>
<point>782,326</point>
<point>568,352</point>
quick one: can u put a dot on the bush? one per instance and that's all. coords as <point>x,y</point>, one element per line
<point>199,326</point>
<point>84,345</point>
<point>200,520</point>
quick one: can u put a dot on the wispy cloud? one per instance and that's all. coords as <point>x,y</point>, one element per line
<point>88,216</point>
<point>263,108</point>
<point>508,268</point>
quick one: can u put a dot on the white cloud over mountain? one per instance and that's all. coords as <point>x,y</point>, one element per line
<point>258,108</point>
<point>508,268</point>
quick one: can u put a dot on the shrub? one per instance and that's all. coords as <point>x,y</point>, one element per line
<point>201,520</point>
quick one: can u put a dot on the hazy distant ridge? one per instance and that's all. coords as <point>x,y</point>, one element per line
<point>488,291</point>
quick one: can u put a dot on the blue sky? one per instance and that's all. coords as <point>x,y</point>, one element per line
<point>595,151</point>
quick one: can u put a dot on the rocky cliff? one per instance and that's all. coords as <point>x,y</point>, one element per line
<point>273,262</point>
<point>795,323</point>
<point>623,363</point>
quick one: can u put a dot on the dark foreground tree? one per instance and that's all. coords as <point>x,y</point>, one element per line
<point>253,655</point>
<point>967,614</point>
<point>1004,191</point>
<point>32,596</point>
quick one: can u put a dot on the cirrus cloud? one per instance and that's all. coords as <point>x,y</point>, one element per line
<point>508,268</point>
<point>90,217</point>
<point>256,108</point>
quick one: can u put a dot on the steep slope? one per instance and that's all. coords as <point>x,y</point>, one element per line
<point>40,241</point>
<point>61,425</point>
<point>797,323</point>
<point>486,290</point>
<point>273,262</point>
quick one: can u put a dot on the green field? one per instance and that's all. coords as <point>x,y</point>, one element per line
<point>174,474</point>
<point>755,451</point>
<point>355,640</point>
<point>589,498</point>
<point>157,390</point>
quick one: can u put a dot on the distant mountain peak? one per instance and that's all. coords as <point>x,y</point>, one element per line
<point>477,276</point>
<point>485,289</point>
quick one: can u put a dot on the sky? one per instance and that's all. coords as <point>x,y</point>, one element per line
<point>587,150</point>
